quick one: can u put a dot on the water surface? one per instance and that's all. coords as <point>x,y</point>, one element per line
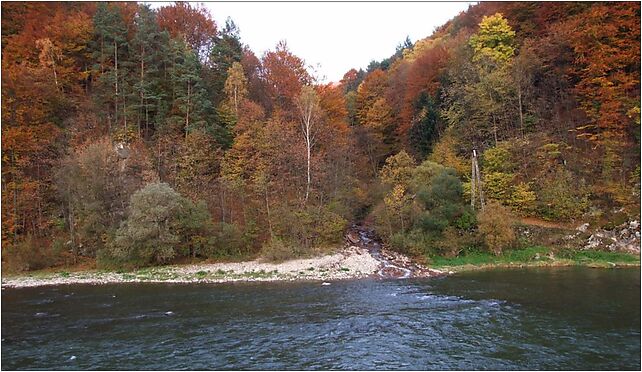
<point>562,318</point>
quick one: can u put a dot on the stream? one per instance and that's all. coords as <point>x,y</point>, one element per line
<point>393,265</point>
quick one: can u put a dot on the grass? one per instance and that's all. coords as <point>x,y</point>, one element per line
<point>536,256</point>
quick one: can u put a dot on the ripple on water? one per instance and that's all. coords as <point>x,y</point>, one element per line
<point>452,323</point>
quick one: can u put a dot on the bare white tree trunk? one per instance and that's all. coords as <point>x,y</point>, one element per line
<point>308,103</point>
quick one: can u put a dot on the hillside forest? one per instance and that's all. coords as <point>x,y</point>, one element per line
<point>134,136</point>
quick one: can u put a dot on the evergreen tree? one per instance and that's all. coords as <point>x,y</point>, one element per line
<point>149,47</point>
<point>227,50</point>
<point>191,105</point>
<point>110,50</point>
<point>423,132</point>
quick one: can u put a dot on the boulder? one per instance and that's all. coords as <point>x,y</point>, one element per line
<point>353,237</point>
<point>583,227</point>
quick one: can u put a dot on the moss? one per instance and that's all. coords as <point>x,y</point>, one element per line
<point>201,274</point>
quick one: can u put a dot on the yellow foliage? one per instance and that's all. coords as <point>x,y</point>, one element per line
<point>496,226</point>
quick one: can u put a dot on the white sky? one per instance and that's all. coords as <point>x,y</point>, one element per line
<point>334,36</point>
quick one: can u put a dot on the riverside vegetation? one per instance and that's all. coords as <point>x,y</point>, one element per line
<point>136,137</point>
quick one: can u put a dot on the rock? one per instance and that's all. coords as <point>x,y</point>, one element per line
<point>121,150</point>
<point>583,227</point>
<point>353,237</point>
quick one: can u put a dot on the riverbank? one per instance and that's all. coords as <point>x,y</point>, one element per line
<point>352,262</point>
<point>536,257</point>
<point>349,263</point>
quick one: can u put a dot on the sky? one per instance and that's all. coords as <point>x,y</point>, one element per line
<point>334,37</point>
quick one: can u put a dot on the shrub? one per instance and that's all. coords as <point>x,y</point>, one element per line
<point>160,221</point>
<point>398,169</point>
<point>414,243</point>
<point>561,197</point>
<point>278,250</point>
<point>94,184</point>
<point>310,227</point>
<point>226,241</point>
<point>498,159</point>
<point>496,226</point>
<point>25,255</point>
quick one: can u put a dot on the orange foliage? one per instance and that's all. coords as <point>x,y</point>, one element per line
<point>284,74</point>
<point>194,24</point>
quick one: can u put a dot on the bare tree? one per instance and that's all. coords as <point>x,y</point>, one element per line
<point>309,108</point>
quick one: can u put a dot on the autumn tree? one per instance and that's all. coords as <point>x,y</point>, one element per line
<point>235,85</point>
<point>308,104</point>
<point>285,74</point>
<point>192,24</point>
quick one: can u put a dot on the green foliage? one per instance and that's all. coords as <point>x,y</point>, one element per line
<point>535,256</point>
<point>561,196</point>
<point>485,258</point>
<point>498,159</point>
<point>425,125</point>
<point>226,241</point>
<point>437,219</point>
<point>161,225</point>
<point>397,169</point>
<point>309,228</point>
<point>500,180</point>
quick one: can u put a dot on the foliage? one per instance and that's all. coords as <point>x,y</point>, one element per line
<point>397,169</point>
<point>99,99</point>
<point>561,197</point>
<point>496,226</point>
<point>279,250</point>
<point>159,222</point>
<point>309,228</point>
<point>536,256</point>
<point>494,40</point>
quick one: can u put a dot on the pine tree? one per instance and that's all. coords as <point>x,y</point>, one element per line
<point>110,50</point>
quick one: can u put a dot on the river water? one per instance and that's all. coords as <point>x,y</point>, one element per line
<point>563,318</point>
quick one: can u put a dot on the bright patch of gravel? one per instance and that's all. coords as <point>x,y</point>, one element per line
<point>349,263</point>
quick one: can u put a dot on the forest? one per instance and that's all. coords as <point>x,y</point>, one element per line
<point>137,136</point>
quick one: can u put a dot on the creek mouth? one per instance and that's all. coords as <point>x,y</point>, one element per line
<point>393,265</point>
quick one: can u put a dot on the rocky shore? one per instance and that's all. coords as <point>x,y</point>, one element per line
<point>351,262</point>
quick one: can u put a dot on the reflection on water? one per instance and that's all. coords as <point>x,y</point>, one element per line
<point>571,318</point>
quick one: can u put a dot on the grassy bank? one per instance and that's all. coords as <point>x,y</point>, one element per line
<point>535,256</point>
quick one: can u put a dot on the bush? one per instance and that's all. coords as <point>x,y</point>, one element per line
<point>279,250</point>
<point>561,197</point>
<point>26,255</point>
<point>311,227</point>
<point>496,226</point>
<point>498,159</point>
<point>226,241</point>
<point>414,243</point>
<point>160,221</point>
<point>397,170</point>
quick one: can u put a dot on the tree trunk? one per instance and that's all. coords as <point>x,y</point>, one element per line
<point>116,72</point>
<point>189,92</point>
<point>521,113</point>
<point>142,81</point>
<point>495,129</point>
<point>267,207</point>
<point>307,188</point>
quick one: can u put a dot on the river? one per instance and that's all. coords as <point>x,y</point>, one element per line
<point>560,318</point>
